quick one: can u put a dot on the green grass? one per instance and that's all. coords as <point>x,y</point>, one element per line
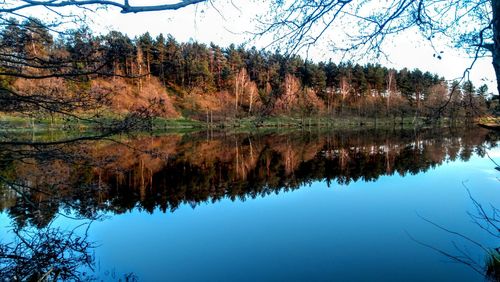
<point>20,123</point>
<point>490,120</point>
<point>328,122</point>
<point>162,123</point>
<point>493,265</point>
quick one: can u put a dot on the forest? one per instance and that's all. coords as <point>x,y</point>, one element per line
<point>112,74</point>
<point>112,136</point>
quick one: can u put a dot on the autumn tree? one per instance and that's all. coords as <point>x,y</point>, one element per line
<point>26,53</point>
<point>473,26</point>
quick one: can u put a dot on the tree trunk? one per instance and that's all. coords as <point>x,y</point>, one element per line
<point>236,92</point>
<point>496,40</point>
<point>149,65</point>
<point>251,100</point>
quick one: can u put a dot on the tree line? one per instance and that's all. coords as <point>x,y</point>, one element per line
<point>118,179</point>
<point>231,81</point>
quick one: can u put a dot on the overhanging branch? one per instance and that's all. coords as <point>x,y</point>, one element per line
<point>125,6</point>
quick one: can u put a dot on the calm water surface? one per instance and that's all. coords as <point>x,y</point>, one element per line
<point>299,206</point>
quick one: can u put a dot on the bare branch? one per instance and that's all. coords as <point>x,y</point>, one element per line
<point>125,6</point>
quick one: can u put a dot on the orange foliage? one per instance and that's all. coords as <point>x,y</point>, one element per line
<point>127,97</point>
<point>295,98</point>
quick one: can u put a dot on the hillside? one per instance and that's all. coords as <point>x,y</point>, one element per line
<point>112,74</point>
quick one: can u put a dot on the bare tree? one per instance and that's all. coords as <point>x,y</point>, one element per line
<point>47,254</point>
<point>365,25</point>
<point>42,73</point>
<point>487,219</point>
<point>124,6</point>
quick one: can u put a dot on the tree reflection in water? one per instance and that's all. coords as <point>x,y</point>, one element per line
<point>46,254</point>
<point>488,220</point>
<point>88,179</point>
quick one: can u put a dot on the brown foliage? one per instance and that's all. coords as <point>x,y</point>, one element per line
<point>288,97</point>
<point>295,98</point>
<point>127,97</point>
<point>57,95</point>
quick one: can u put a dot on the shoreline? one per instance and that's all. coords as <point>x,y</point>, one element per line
<point>23,123</point>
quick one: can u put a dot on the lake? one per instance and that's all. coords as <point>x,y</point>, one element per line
<point>358,205</point>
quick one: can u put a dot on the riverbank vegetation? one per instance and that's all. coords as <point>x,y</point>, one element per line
<point>80,77</point>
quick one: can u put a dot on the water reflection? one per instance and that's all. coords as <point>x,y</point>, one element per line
<point>165,172</point>
<point>47,254</point>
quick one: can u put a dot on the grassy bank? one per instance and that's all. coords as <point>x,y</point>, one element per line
<point>23,123</point>
<point>288,121</point>
<point>17,122</point>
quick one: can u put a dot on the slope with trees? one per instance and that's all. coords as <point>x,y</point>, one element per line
<point>115,73</point>
<point>46,71</point>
